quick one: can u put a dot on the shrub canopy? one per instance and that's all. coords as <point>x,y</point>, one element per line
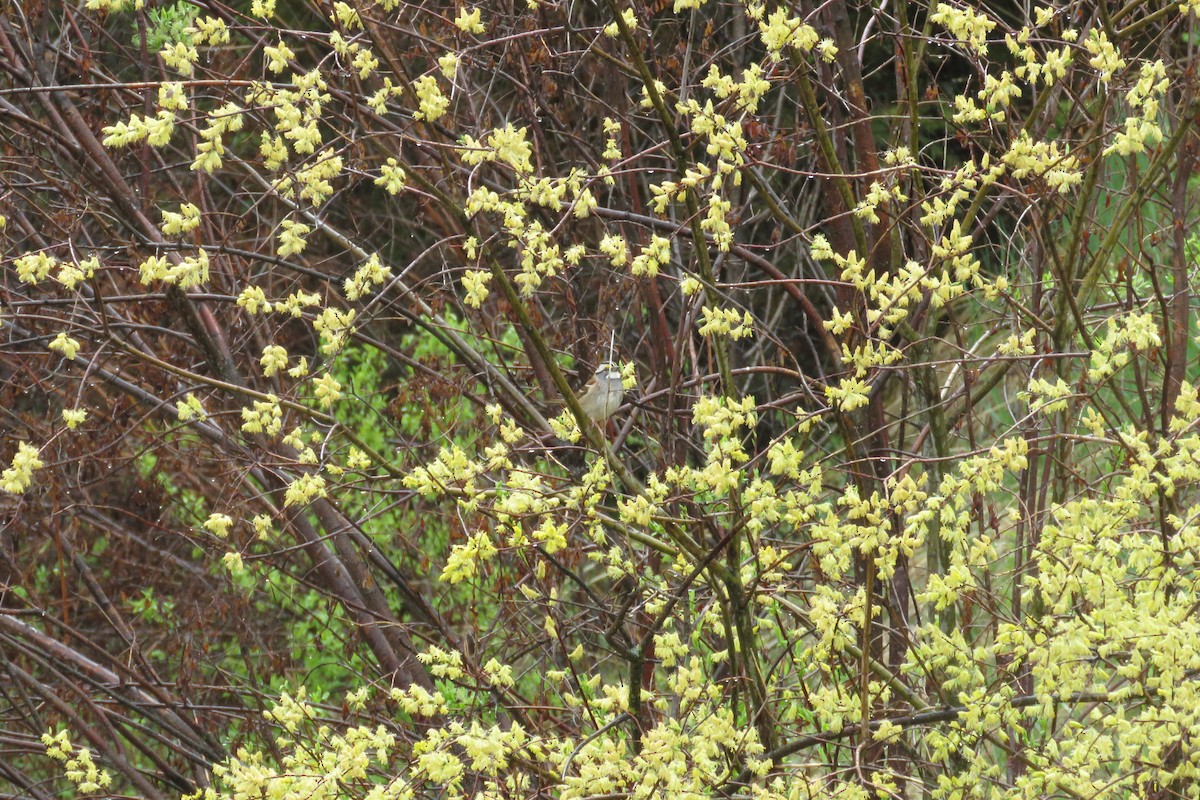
<point>299,500</point>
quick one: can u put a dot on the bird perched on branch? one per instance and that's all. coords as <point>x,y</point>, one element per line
<point>604,392</point>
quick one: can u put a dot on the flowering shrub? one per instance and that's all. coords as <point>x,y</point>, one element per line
<point>300,501</point>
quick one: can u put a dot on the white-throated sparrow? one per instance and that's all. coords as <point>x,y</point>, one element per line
<point>603,393</point>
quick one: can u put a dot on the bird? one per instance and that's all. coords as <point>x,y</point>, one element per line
<point>604,392</point>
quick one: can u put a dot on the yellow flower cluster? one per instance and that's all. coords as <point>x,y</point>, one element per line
<point>180,56</point>
<point>73,417</point>
<point>209,152</point>
<point>292,238</point>
<point>1142,129</point>
<point>186,220</point>
<point>612,30</point>
<point>781,31</point>
<point>335,326</point>
<point>507,145</point>
<point>965,25</point>
<point>80,768</point>
<point>653,256</point>
<point>464,559</point>
<point>392,178</point>
<point>475,284</point>
<point>274,359</point>
<point>962,185</point>
<point>218,525</point>
<point>876,196</point>
<point>1059,170</point>
<point>18,477</point>
<point>373,273</point>
<point>66,345</point>
<point>432,104</point>
<point>208,30</point>
<point>190,409</point>
<point>726,322</point>
<point>470,21</point>
<point>188,273</point>
<point>747,93</point>
<point>34,267</point>
<point>71,275</point>
<point>1106,60</point>
<point>1135,331</point>
<point>304,489</point>
<point>327,390</point>
<point>266,417</point>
